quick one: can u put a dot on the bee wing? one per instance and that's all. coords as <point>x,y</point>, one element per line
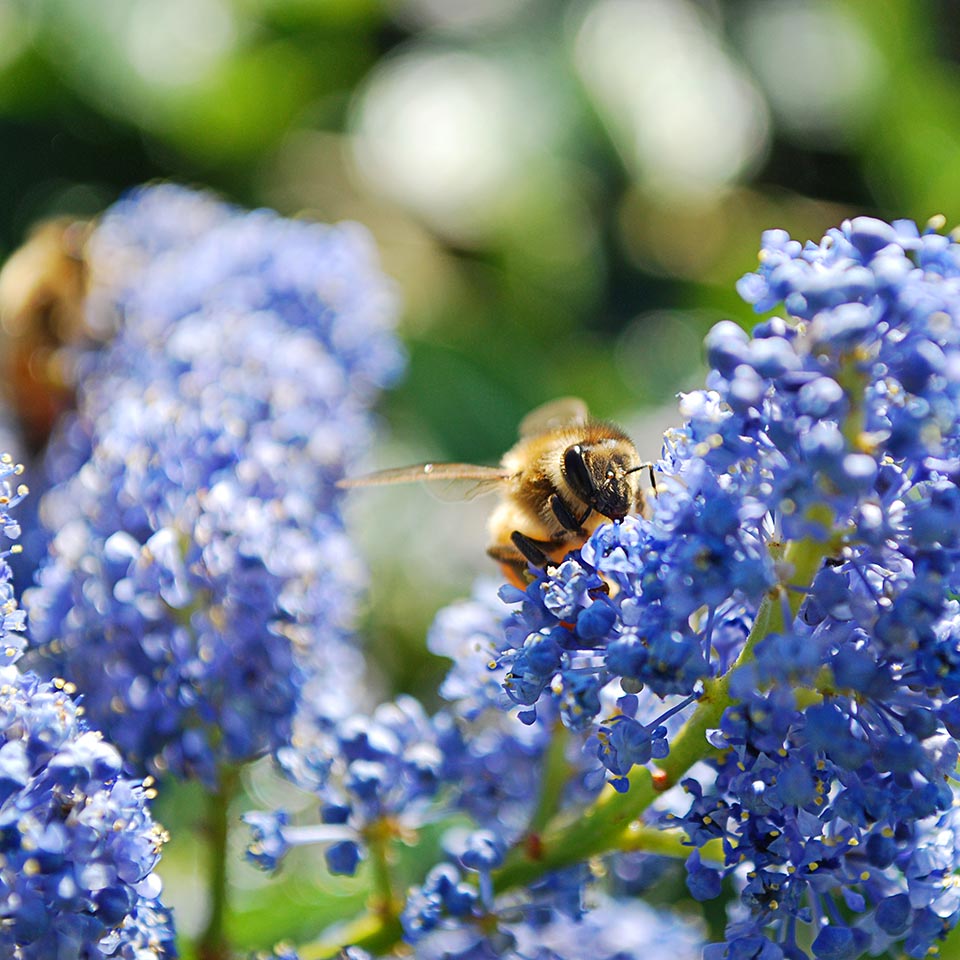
<point>564,412</point>
<point>487,478</point>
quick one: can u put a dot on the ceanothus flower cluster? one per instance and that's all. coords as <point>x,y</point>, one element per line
<point>800,559</point>
<point>78,846</point>
<point>496,761</point>
<point>374,775</point>
<point>196,539</point>
<point>446,919</point>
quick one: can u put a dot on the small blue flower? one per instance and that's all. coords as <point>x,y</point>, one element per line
<point>442,893</point>
<point>482,852</point>
<point>625,743</point>
<point>702,881</point>
<point>268,845</point>
<point>343,857</point>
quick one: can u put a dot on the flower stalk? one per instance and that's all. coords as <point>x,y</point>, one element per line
<point>214,943</point>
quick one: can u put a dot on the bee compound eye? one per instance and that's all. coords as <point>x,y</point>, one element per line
<point>576,473</point>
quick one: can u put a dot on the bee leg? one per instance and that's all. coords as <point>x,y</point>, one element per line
<point>522,552</point>
<point>531,549</point>
<point>565,516</point>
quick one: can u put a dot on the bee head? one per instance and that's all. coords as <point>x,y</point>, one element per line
<point>600,476</point>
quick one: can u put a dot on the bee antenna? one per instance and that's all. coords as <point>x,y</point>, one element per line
<point>646,466</point>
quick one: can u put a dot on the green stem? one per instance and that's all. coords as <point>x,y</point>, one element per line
<point>213,943</point>
<point>803,559</point>
<point>370,930</point>
<point>556,772</point>
<point>379,928</point>
<point>571,839</point>
<point>378,836</point>
<point>666,843</point>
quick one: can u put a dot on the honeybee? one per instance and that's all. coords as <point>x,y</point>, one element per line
<point>42,289</point>
<point>565,476</point>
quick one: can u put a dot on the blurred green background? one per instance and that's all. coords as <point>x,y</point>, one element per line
<point>564,190</point>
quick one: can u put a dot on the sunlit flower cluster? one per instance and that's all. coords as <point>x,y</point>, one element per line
<point>77,844</point>
<point>811,495</point>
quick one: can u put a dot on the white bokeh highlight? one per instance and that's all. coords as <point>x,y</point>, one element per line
<point>819,69</point>
<point>176,43</point>
<point>687,118</point>
<point>446,134</point>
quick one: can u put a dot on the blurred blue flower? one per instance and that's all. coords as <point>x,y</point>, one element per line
<point>370,772</point>
<point>196,539</point>
<point>450,925</point>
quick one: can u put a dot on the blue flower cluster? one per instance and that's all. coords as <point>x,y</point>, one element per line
<point>659,605</point>
<point>496,762</point>
<point>812,497</point>
<point>447,920</point>
<point>78,846</point>
<point>844,790</point>
<point>196,540</point>
<point>375,776</point>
